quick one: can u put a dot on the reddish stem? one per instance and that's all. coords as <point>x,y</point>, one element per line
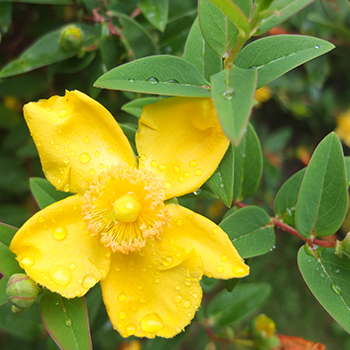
<point>208,330</point>
<point>293,231</point>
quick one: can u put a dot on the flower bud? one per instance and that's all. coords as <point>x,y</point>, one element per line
<point>21,291</point>
<point>346,243</point>
<point>71,39</point>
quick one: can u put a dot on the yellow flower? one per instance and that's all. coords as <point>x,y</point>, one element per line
<point>262,95</point>
<point>148,254</point>
<point>343,127</point>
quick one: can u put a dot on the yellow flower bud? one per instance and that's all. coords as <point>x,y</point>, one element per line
<point>71,39</point>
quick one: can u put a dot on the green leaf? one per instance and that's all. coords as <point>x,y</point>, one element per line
<point>279,11</point>
<point>45,51</point>
<point>133,36</point>
<point>328,280</point>
<point>323,196</point>
<point>162,74</point>
<point>8,262</point>
<point>110,47</point>
<point>233,94</point>
<point>6,233</point>
<point>347,166</point>
<point>45,193</point>
<point>199,53</point>
<point>49,2</point>
<point>156,12</point>
<point>226,307</point>
<point>287,197</point>
<point>135,107</point>
<point>66,321</point>
<point>219,33</point>
<point>248,165</point>
<point>275,55</point>
<point>222,179</point>
<point>3,295</point>
<point>5,17</point>
<point>234,14</point>
<point>250,230</point>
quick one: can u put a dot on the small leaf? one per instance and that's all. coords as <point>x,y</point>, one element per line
<point>287,197</point>
<point>248,165</point>
<point>66,320</point>
<point>222,179</point>
<point>279,11</point>
<point>275,55</point>
<point>45,51</point>
<point>3,295</point>
<point>6,233</point>
<point>233,94</point>
<point>226,307</point>
<point>233,12</point>
<point>156,12</point>
<point>199,53</point>
<point>45,193</point>
<point>162,74</point>
<point>250,230</point>
<point>323,196</point>
<point>8,262</point>
<point>328,280</point>
<point>135,107</point>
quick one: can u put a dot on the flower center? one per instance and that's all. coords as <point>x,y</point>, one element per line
<point>125,206</point>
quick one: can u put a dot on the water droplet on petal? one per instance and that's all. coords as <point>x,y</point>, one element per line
<point>224,257</point>
<point>97,153</point>
<point>89,281</point>
<point>176,169</point>
<point>27,261</point>
<point>220,269</point>
<point>178,298</point>
<point>167,184</point>
<point>152,80</point>
<point>60,275</point>
<point>122,297</point>
<point>198,172</point>
<point>188,281</point>
<point>154,164</point>
<point>161,167</point>
<point>179,222</point>
<point>197,192</point>
<point>92,172</point>
<point>62,113</point>
<point>59,233</point>
<point>187,304</point>
<point>215,230</point>
<point>65,160</point>
<point>130,329</point>
<point>72,266</point>
<point>167,261</point>
<point>193,163</point>
<point>86,139</point>
<point>84,158</point>
<point>195,295</point>
<point>152,323</point>
<point>181,179</point>
<point>122,314</point>
<point>178,287</point>
<point>239,270</point>
<point>41,219</point>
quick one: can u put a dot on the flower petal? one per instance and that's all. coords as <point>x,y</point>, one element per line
<point>76,138</point>
<point>181,140</point>
<point>56,251</point>
<point>193,231</point>
<point>150,293</point>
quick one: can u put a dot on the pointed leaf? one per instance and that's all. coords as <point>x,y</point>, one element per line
<point>8,262</point>
<point>66,320</point>
<point>135,107</point>
<point>45,51</point>
<point>3,295</point>
<point>45,193</point>
<point>234,14</point>
<point>323,196</point>
<point>250,230</point>
<point>226,307</point>
<point>6,233</point>
<point>199,53</point>
<point>156,12</point>
<point>347,166</point>
<point>328,280</point>
<point>287,198</point>
<point>233,94</point>
<point>275,55</point>
<point>163,75</point>
<point>222,179</point>
<point>279,11</point>
<point>248,165</point>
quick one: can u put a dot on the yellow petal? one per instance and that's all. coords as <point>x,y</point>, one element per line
<point>76,138</point>
<point>56,251</point>
<point>193,231</point>
<point>150,293</point>
<point>181,140</point>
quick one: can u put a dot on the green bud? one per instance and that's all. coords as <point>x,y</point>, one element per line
<point>346,243</point>
<point>16,310</point>
<point>71,39</point>
<point>21,291</point>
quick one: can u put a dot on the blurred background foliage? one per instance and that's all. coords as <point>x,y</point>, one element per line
<point>296,111</point>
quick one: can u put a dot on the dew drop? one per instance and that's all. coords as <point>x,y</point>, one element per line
<point>224,257</point>
<point>172,81</point>
<point>157,280</point>
<point>72,153</point>
<point>197,192</point>
<point>337,271</point>
<point>195,295</point>
<point>161,167</point>
<point>176,169</point>
<point>239,271</point>
<point>140,286</point>
<point>188,281</point>
<point>198,172</point>
<point>92,172</point>
<point>142,300</point>
<point>336,288</point>
<point>215,230</point>
<point>317,47</point>
<point>59,233</point>
<point>62,113</point>
<point>54,119</point>
<point>101,166</point>
<point>110,149</point>
<point>220,269</point>
<point>222,185</point>
<point>84,158</point>
<point>130,329</point>
<point>181,179</point>
<point>65,160</point>
<point>66,188</point>
<point>178,298</point>
<point>131,80</point>
<point>68,322</point>
<point>48,109</point>
<point>72,266</point>
<point>152,323</point>
<point>27,261</point>
<point>167,261</point>
<point>178,287</point>
<point>193,163</point>
<point>57,303</point>
<point>187,174</point>
<point>179,222</point>
<point>60,275</point>
<point>89,281</point>
<point>38,143</point>
<point>122,314</point>
<point>41,219</point>
<point>228,94</point>
<point>167,184</point>
<point>187,304</point>
<point>152,80</point>
<point>97,153</point>
<point>154,164</point>
<point>86,139</point>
